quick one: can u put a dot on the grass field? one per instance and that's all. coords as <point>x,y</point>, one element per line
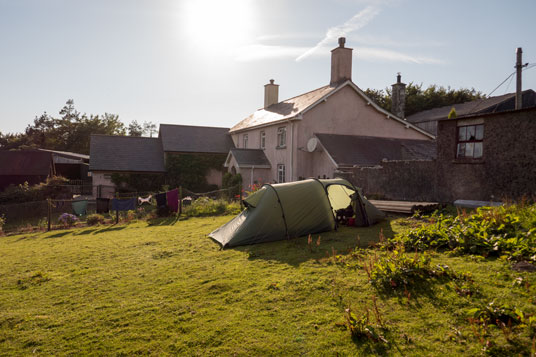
<point>167,289</point>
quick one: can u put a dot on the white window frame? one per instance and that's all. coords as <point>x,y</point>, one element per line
<point>263,140</point>
<point>245,141</point>
<point>470,141</point>
<point>282,137</point>
<point>281,173</point>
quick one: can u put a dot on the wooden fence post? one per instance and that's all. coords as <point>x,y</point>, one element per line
<point>240,193</point>
<point>49,214</point>
<point>180,200</point>
<point>116,210</point>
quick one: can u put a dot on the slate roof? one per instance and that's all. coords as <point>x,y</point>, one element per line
<point>488,105</point>
<point>26,163</point>
<point>195,139</point>
<point>250,157</point>
<point>283,110</point>
<point>126,154</point>
<point>350,150</point>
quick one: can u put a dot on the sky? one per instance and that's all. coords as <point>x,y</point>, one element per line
<point>205,62</point>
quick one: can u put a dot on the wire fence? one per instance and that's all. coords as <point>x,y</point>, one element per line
<point>45,214</point>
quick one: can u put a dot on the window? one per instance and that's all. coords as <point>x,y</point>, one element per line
<point>280,173</point>
<point>282,137</point>
<point>245,141</point>
<point>263,140</point>
<point>470,141</point>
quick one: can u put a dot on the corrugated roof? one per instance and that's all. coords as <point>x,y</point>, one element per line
<point>195,139</point>
<point>283,110</point>
<point>350,150</point>
<point>126,154</point>
<point>488,105</point>
<point>26,163</point>
<point>68,154</point>
<point>250,157</point>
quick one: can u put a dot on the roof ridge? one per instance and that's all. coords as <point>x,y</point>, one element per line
<point>125,136</point>
<point>299,95</point>
<point>195,126</point>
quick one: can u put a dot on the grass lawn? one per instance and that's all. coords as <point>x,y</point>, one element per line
<point>168,289</point>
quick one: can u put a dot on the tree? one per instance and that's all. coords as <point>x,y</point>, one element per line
<point>135,129</point>
<point>149,128</point>
<point>419,99</point>
<point>70,132</point>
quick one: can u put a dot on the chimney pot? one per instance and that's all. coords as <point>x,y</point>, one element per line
<point>271,81</point>
<point>342,41</point>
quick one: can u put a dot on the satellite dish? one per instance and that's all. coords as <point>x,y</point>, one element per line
<point>312,145</point>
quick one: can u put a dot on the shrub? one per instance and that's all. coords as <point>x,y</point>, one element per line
<point>205,206</point>
<point>54,187</point>
<point>507,231</point>
<point>396,269</point>
<point>94,219</point>
<point>67,219</point>
<point>2,222</point>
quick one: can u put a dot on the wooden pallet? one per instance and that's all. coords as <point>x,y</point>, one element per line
<point>404,206</point>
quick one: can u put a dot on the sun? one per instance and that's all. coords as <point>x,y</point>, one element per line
<point>217,24</point>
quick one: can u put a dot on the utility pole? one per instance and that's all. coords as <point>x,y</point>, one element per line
<point>519,69</point>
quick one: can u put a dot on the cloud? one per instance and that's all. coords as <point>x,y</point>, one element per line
<point>374,54</point>
<point>359,20</point>
<point>258,52</point>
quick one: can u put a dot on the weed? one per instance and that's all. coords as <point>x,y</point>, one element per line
<point>361,326</point>
<point>505,231</point>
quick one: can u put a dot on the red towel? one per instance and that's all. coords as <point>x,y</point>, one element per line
<point>173,200</point>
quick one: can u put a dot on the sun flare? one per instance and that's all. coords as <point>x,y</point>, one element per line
<point>222,24</point>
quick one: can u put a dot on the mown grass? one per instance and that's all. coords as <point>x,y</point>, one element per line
<point>167,289</point>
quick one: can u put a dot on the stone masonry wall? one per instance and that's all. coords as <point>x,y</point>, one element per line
<point>507,169</point>
<point>396,180</point>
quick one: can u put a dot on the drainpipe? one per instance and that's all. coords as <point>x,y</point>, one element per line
<point>291,150</point>
<point>251,178</point>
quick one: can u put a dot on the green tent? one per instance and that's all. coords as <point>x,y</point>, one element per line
<point>294,209</point>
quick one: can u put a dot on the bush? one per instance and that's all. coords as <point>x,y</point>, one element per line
<point>68,220</point>
<point>2,222</point>
<point>205,206</point>
<point>94,219</point>
<point>54,187</point>
<point>392,270</point>
<point>506,231</point>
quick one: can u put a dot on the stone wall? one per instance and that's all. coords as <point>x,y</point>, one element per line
<point>396,180</point>
<point>507,169</point>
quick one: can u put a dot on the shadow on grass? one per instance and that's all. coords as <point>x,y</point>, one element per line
<point>375,348</point>
<point>109,229</point>
<point>296,251</point>
<point>163,221</point>
<point>59,235</point>
<point>85,231</point>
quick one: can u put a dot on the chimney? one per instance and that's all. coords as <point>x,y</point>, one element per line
<point>341,63</point>
<point>398,97</point>
<point>271,93</point>
<point>519,68</point>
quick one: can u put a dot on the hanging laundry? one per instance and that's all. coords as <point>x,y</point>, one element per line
<point>173,200</point>
<point>103,205</point>
<point>160,199</point>
<point>80,207</point>
<point>142,200</point>
<point>127,204</point>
